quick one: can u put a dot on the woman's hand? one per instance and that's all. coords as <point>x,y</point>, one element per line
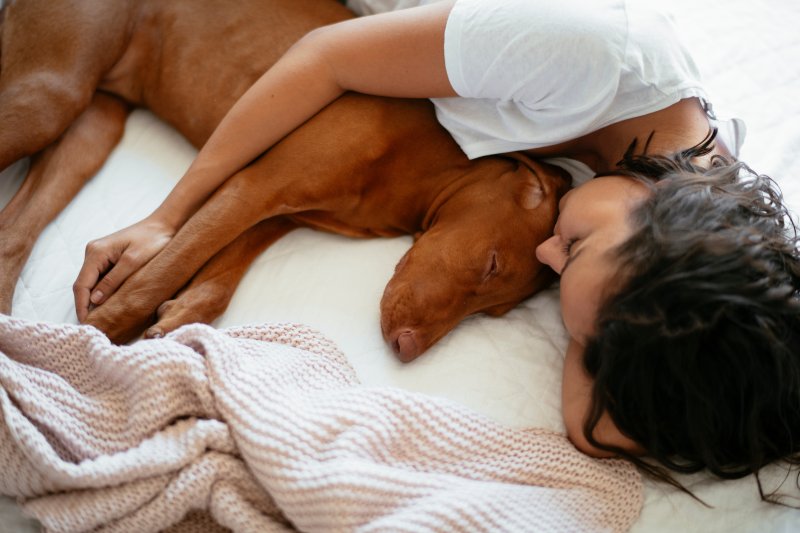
<point>111,260</point>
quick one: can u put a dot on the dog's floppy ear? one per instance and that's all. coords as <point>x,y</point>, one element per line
<point>530,193</point>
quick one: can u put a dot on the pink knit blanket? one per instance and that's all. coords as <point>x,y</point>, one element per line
<point>267,429</point>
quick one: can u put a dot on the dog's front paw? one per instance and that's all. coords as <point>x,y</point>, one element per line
<point>202,301</point>
<point>122,318</point>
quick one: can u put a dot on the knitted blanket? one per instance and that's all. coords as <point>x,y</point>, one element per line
<point>267,429</point>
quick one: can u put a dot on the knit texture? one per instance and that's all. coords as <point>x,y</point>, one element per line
<point>267,429</point>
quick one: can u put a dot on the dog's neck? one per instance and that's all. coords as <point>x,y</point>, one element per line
<point>475,172</point>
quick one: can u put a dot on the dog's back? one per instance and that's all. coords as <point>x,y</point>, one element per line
<point>185,54</point>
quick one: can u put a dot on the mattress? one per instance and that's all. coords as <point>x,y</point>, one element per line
<point>508,368</point>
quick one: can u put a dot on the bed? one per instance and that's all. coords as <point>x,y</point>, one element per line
<point>507,368</point>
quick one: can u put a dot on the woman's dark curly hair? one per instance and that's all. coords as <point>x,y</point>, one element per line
<point>697,353</point>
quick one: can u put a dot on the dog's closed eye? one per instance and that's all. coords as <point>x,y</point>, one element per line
<point>492,267</point>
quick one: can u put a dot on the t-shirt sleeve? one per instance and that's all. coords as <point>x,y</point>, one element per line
<point>551,57</point>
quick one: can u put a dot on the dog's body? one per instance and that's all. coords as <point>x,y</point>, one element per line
<point>364,166</point>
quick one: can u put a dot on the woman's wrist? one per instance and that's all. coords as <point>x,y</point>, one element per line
<point>179,206</point>
<point>192,190</point>
<point>164,218</point>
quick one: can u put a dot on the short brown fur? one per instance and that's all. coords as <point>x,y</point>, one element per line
<point>364,166</point>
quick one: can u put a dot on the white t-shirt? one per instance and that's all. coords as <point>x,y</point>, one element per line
<point>534,73</point>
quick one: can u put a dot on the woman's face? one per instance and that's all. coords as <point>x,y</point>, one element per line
<point>592,222</point>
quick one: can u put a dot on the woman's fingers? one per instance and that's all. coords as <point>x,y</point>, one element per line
<point>111,260</point>
<point>98,259</point>
<point>110,282</point>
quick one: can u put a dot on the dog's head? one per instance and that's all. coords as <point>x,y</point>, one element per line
<point>476,255</point>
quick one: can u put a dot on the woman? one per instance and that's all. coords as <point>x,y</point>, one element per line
<point>684,316</point>
<point>580,80</point>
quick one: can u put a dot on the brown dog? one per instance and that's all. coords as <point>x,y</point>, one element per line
<point>363,167</point>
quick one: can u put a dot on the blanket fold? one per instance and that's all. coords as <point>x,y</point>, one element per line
<point>267,429</point>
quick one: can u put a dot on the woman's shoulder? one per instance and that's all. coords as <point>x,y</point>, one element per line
<point>606,19</point>
<point>531,50</point>
<point>655,48</point>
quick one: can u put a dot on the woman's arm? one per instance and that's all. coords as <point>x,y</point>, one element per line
<point>398,54</point>
<point>394,54</point>
<point>576,401</point>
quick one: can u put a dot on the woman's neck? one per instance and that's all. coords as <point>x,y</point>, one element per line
<point>675,128</point>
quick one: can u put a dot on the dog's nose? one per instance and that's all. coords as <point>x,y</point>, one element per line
<point>406,345</point>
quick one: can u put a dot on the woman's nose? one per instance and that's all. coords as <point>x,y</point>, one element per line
<point>550,253</point>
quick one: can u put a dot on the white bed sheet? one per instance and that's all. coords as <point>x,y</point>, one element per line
<point>507,368</point>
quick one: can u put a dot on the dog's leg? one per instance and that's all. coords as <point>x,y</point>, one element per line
<point>55,177</point>
<point>277,184</point>
<point>210,291</point>
<point>244,200</point>
<point>54,54</point>
<point>306,172</point>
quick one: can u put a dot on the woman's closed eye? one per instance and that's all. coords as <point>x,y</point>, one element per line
<point>557,251</point>
<point>569,253</point>
<point>568,246</point>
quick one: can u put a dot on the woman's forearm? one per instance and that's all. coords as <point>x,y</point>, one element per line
<point>292,91</point>
<point>394,54</point>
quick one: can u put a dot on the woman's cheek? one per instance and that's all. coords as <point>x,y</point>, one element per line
<point>578,308</point>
